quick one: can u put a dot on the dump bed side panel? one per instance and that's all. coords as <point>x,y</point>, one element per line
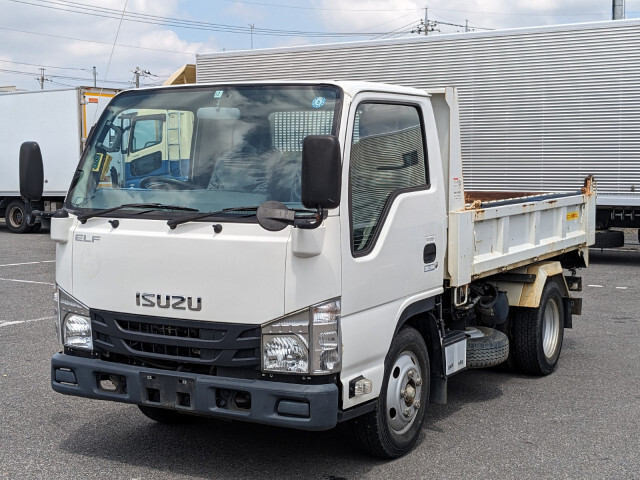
<point>486,239</point>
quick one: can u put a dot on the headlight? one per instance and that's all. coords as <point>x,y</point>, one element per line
<point>77,332</point>
<point>307,341</point>
<point>73,321</point>
<point>285,353</point>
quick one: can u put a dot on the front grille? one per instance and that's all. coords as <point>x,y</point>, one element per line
<point>209,344</point>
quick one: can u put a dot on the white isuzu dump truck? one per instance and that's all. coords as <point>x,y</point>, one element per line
<point>60,121</point>
<point>320,263</point>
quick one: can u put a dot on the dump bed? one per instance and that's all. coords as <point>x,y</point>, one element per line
<point>491,232</point>
<point>492,235</point>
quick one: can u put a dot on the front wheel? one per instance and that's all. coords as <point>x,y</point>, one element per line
<point>394,426</point>
<point>538,333</point>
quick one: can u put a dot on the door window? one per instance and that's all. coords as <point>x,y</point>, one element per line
<point>388,156</point>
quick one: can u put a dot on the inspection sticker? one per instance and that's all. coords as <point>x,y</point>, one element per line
<point>572,215</point>
<point>318,102</point>
<point>218,94</point>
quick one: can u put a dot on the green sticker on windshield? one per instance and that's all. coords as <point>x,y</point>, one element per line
<point>218,94</point>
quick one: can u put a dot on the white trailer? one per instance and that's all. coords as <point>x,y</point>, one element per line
<point>320,263</point>
<point>540,108</point>
<point>60,121</point>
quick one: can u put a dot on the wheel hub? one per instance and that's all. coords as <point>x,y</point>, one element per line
<point>16,217</point>
<point>404,393</point>
<point>409,394</point>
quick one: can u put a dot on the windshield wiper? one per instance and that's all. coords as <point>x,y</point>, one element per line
<point>159,206</point>
<point>174,222</point>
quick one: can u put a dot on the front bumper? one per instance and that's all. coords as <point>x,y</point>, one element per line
<point>306,407</point>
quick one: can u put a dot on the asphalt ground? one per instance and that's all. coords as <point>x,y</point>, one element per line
<point>581,422</point>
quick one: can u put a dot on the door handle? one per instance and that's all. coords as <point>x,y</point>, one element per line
<point>429,253</point>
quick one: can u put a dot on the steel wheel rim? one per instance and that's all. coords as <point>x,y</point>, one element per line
<point>15,217</point>
<point>550,328</point>
<point>404,392</point>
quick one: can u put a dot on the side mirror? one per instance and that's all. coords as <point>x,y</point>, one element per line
<point>321,171</point>
<point>31,171</point>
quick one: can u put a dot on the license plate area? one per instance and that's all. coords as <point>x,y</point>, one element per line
<point>167,391</point>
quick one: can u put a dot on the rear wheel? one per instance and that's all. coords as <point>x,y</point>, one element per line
<point>16,217</point>
<point>394,426</point>
<point>538,333</point>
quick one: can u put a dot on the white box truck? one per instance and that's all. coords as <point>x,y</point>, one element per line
<point>540,107</point>
<point>320,263</point>
<point>60,121</point>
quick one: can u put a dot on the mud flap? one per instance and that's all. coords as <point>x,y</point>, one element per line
<point>572,306</point>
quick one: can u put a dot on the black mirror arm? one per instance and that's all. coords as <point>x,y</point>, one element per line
<point>309,223</point>
<point>60,213</point>
<point>275,216</point>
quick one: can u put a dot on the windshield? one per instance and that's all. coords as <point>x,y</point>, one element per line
<point>207,148</point>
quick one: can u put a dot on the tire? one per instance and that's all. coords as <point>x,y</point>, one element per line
<point>394,426</point>
<point>491,349</point>
<point>16,217</point>
<point>609,239</point>
<point>538,333</point>
<point>165,415</point>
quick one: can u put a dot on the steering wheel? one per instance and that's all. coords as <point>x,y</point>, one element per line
<point>155,181</point>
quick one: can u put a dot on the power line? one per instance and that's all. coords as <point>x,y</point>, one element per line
<point>40,65</point>
<point>356,10</point>
<point>385,23</point>
<point>582,14</point>
<point>297,7</point>
<point>393,33</point>
<point>95,41</point>
<point>103,12</point>
<point>63,77</point>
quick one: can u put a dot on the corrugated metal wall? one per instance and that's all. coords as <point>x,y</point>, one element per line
<point>540,108</point>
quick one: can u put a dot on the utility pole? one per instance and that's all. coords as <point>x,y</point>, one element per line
<point>95,74</point>
<point>252,27</point>
<point>140,73</point>
<point>617,10</point>
<point>426,21</point>
<point>466,25</point>
<point>41,79</point>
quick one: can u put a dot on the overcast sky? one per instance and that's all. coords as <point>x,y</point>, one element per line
<point>68,38</point>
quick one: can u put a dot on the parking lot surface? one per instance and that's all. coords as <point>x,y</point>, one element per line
<point>580,422</point>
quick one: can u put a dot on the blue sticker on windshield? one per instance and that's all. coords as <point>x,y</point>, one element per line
<point>318,102</point>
